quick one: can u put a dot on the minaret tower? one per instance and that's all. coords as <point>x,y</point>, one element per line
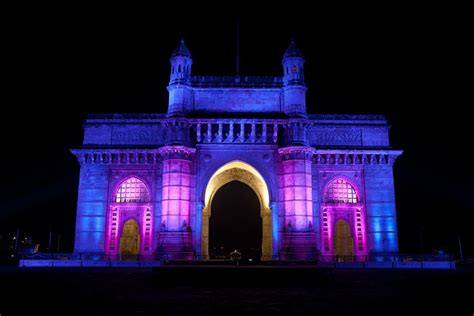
<point>293,81</point>
<point>179,88</point>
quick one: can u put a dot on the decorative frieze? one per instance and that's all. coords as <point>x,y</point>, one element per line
<point>177,152</point>
<point>295,152</point>
<point>335,138</point>
<point>116,156</point>
<point>132,156</point>
<point>355,157</point>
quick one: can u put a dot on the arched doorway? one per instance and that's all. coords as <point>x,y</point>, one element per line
<point>343,242</point>
<point>235,222</point>
<point>129,241</point>
<point>343,220</point>
<point>130,200</point>
<point>245,173</point>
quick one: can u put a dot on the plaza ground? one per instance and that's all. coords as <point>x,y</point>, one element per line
<point>234,290</point>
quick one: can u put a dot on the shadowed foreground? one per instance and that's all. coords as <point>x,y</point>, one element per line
<point>231,290</point>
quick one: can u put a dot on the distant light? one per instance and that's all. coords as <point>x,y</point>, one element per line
<point>250,259</point>
<point>14,238</point>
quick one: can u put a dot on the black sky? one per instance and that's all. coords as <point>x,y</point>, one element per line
<point>405,62</point>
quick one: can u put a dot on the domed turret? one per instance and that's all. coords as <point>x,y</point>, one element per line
<point>293,62</point>
<point>293,80</point>
<point>179,88</point>
<point>181,63</point>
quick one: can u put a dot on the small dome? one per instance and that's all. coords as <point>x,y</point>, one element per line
<point>292,51</point>
<point>181,50</point>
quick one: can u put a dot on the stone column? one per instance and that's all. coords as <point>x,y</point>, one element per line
<point>175,240</point>
<point>230,138</point>
<point>264,132</point>
<point>252,133</point>
<point>299,241</point>
<point>275,132</point>
<point>219,133</point>
<point>209,132</point>
<point>242,132</point>
<point>198,132</point>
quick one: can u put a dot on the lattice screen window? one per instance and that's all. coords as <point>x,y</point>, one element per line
<point>340,191</point>
<point>132,190</point>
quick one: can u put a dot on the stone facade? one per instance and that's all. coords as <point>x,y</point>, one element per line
<point>310,171</point>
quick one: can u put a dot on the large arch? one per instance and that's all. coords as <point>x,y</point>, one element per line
<point>239,171</point>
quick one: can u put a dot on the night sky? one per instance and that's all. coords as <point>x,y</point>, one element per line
<point>61,63</point>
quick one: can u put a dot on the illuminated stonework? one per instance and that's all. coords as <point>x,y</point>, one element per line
<point>324,182</point>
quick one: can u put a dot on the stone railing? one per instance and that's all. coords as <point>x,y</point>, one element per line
<point>243,131</point>
<point>236,81</point>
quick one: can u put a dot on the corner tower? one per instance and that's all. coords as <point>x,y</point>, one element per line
<point>294,87</point>
<point>179,88</point>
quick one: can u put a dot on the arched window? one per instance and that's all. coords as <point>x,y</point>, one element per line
<point>294,69</point>
<point>179,68</point>
<point>340,191</point>
<point>132,190</point>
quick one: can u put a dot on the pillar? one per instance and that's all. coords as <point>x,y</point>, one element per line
<point>295,190</point>
<point>175,239</point>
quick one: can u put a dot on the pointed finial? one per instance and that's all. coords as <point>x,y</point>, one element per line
<point>181,50</point>
<point>292,50</point>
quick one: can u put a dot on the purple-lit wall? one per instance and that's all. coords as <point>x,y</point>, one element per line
<point>298,155</point>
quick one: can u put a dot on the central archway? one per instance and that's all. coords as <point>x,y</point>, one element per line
<point>235,222</point>
<point>243,172</point>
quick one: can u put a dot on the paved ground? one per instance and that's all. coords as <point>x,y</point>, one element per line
<point>192,292</point>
